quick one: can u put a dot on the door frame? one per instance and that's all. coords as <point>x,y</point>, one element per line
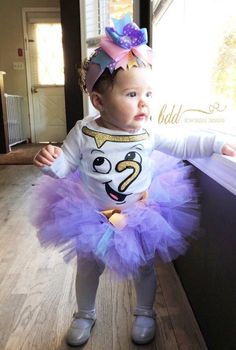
<point>25,10</point>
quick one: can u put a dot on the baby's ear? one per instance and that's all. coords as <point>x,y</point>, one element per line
<point>97,100</point>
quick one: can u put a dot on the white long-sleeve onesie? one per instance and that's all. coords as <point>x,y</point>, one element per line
<point>115,165</point>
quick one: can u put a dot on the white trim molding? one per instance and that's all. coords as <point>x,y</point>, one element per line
<point>220,168</point>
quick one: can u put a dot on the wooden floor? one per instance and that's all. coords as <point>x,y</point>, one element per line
<point>22,153</point>
<point>37,297</point>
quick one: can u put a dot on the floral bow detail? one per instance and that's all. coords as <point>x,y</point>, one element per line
<point>122,46</point>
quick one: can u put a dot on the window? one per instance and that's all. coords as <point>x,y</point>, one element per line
<point>99,14</point>
<point>194,46</point>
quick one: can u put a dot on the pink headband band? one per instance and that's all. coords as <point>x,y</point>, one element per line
<point>119,48</point>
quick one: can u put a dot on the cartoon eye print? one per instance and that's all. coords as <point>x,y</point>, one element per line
<point>135,156</point>
<point>102,165</point>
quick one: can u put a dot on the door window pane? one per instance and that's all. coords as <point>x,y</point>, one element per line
<point>49,53</point>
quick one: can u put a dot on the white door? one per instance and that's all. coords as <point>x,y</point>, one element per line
<point>46,76</point>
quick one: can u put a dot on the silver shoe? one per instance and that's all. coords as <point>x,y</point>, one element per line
<point>144,326</point>
<point>80,328</point>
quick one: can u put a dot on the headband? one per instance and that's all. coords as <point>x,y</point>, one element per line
<point>123,46</point>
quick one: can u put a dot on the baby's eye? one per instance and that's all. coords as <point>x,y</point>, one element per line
<point>102,165</point>
<point>134,156</point>
<point>131,94</point>
<point>149,94</point>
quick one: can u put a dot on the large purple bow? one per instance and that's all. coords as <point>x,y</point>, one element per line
<point>115,49</point>
<point>131,36</point>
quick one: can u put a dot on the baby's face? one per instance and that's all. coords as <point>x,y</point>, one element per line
<point>127,105</point>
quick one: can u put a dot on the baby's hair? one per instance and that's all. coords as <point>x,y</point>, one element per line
<point>106,79</point>
<point>82,75</point>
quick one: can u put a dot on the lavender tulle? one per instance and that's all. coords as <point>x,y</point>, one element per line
<point>66,217</point>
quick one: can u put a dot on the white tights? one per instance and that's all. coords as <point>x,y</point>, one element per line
<point>87,280</point>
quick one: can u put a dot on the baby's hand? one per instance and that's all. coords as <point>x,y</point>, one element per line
<point>46,156</point>
<point>229,150</point>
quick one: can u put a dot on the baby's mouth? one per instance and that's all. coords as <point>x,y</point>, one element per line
<point>140,116</point>
<point>116,196</point>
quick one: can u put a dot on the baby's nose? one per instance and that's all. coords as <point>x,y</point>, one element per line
<point>142,102</point>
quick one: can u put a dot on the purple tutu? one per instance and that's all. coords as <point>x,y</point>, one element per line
<point>65,216</point>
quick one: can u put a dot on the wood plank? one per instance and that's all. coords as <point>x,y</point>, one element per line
<point>10,306</point>
<point>187,332</point>
<point>165,337</point>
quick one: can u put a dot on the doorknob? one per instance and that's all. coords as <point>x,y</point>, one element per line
<point>34,90</point>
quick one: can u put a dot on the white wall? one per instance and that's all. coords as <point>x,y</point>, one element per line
<point>11,38</point>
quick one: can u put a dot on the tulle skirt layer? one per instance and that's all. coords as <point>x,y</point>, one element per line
<point>159,226</point>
